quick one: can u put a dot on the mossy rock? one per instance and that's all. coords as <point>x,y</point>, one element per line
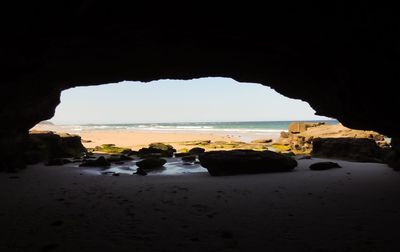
<point>161,149</point>
<point>197,150</point>
<point>112,149</point>
<point>280,147</point>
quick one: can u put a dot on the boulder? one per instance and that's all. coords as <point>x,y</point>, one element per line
<point>165,150</point>
<point>47,145</point>
<point>99,162</point>
<point>320,166</point>
<point>245,162</point>
<point>151,163</point>
<point>189,159</point>
<point>353,149</point>
<point>141,172</point>
<point>196,151</point>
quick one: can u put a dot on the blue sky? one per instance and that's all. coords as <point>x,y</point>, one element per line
<point>198,100</point>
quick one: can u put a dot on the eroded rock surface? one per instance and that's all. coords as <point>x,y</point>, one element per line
<point>233,162</point>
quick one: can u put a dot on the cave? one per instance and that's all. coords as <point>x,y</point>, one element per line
<point>342,58</point>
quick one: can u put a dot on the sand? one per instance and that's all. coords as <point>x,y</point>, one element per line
<point>136,139</point>
<point>355,208</point>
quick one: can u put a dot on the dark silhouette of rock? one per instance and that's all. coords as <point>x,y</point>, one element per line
<point>141,172</point>
<point>48,146</point>
<point>99,162</point>
<point>196,151</point>
<point>189,159</point>
<point>245,162</point>
<point>151,163</point>
<point>182,154</point>
<point>320,166</point>
<point>58,161</point>
<point>118,158</point>
<point>353,149</point>
<point>163,150</point>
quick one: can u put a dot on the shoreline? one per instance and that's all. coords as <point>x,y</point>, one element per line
<point>136,139</point>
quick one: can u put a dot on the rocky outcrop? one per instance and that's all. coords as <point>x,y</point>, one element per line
<point>157,149</point>
<point>47,146</point>
<point>299,137</point>
<point>299,127</point>
<point>353,149</point>
<point>151,163</point>
<point>99,162</point>
<point>219,163</point>
<point>323,54</point>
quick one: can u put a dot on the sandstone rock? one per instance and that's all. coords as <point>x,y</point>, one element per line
<point>284,134</point>
<point>245,162</point>
<point>298,127</point>
<point>151,163</point>
<point>99,162</point>
<point>354,149</point>
<point>196,150</point>
<point>324,166</point>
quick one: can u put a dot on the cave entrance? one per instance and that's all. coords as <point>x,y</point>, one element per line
<point>211,113</point>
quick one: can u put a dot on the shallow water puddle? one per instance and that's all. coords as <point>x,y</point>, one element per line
<point>174,166</point>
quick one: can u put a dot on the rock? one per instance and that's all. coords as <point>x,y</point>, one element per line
<point>151,163</point>
<point>58,161</point>
<point>284,134</point>
<point>47,145</point>
<point>141,172</point>
<point>393,160</point>
<point>118,158</point>
<point>182,154</point>
<point>99,162</point>
<point>353,149</point>
<point>298,127</point>
<point>245,162</point>
<point>324,166</point>
<point>189,159</point>
<point>263,141</point>
<point>112,149</point>
<point>197,150</point>
<point>165,150</point>
<point>305,157</point>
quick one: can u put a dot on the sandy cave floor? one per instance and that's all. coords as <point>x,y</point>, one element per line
<point>355,208</point>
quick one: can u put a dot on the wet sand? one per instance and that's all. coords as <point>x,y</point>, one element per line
<point>58,208</point>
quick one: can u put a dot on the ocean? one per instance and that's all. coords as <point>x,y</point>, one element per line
<point>252,129</point>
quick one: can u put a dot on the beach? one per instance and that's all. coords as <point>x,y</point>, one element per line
<point>139,137</point>
<point>60,208</point>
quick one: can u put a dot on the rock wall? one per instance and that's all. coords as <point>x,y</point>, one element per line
<point>341,58</point>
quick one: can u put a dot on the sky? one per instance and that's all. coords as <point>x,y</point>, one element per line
<point>198,100</point>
